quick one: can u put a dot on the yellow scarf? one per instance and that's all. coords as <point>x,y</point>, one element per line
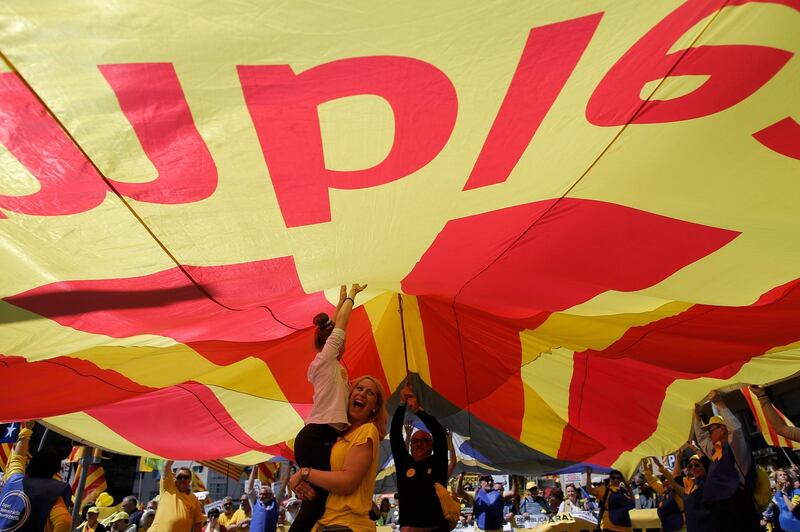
<point>717,454</point>
<point>688,485</point>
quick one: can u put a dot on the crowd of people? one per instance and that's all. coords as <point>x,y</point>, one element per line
<point>720,488</point>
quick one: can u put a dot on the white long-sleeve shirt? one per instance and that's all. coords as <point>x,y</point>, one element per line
<point>331,389</point>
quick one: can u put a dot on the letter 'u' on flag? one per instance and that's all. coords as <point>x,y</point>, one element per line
<point>770,435</point>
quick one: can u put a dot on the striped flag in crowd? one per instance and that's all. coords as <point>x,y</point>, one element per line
<point>95,483</point>
<point>767,430</point>
<point>77,452</point>
<point>5,454</point>
<point>223,467</point>
<point>268,472</point>
<point>95,477</point>
<point>197,483</point>
<point>9,433</point>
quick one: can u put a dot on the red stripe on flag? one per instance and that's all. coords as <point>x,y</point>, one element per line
<point>5,454</point>
<point>167,303</point>
<point>704,341</point>
<point>183,410</point>
<point>74,377</point>
<point>502,263</point>
<point>224,467</point>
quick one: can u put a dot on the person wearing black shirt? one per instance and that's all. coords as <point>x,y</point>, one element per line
<point>419,470</point>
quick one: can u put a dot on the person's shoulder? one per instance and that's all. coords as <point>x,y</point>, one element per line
<point>365,432</point>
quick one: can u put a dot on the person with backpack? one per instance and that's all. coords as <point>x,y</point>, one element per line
<point>615,500</point>
<point>32,499</point>
<point>731,475</point>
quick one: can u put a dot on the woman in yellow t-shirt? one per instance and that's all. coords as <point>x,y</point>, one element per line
<point>354,461</point>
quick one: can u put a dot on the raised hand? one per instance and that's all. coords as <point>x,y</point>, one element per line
<point>356,289</point>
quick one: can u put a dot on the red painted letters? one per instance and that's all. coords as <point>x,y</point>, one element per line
<point>735,72</point>
<point>549,57</point>
<point>151,97</point>
<point>782,137</point>
<point>69,184</point>
<point>283,106</point>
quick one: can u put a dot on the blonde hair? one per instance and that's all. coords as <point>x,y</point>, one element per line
<point>380,417</point>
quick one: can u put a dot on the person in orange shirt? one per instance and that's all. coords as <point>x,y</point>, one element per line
<point>178,508</point>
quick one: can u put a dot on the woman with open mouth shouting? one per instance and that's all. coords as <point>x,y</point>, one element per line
<point>354,463</point>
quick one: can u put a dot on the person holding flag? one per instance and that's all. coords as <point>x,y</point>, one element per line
<point>774,418</point>
<point>728,492</point>
<point>32,499</point>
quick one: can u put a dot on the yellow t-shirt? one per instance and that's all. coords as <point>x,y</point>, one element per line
<point>177,511</point>
<point>239,516</point>
<point>353,510</point>
<point>226,520</point>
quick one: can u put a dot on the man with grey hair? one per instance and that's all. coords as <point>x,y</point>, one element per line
<point>130,505</point>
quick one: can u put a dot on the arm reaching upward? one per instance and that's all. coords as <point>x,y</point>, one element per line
<point>791,433</point>
<point>346,307</point>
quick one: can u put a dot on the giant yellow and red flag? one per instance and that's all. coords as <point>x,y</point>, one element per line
<point>589,210</point>
<point>224,467</point>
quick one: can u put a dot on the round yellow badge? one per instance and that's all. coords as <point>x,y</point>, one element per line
<point>411,472</point>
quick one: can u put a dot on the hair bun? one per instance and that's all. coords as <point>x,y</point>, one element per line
<point>321,320</point>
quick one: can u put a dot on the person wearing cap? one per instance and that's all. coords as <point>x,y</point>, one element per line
<point>419,470</point>
<point>730,472</point>
<point>264,509</point>
<point>533,503</point>
<point>92,524</point>
<point>691,488</point>
<point>487,503</point>
<point>178,508</point>
<point>119,522</point>
<point>32,499</point>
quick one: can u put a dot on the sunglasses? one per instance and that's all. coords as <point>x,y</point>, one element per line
<point>615,477</point>
<point>182,477</point>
